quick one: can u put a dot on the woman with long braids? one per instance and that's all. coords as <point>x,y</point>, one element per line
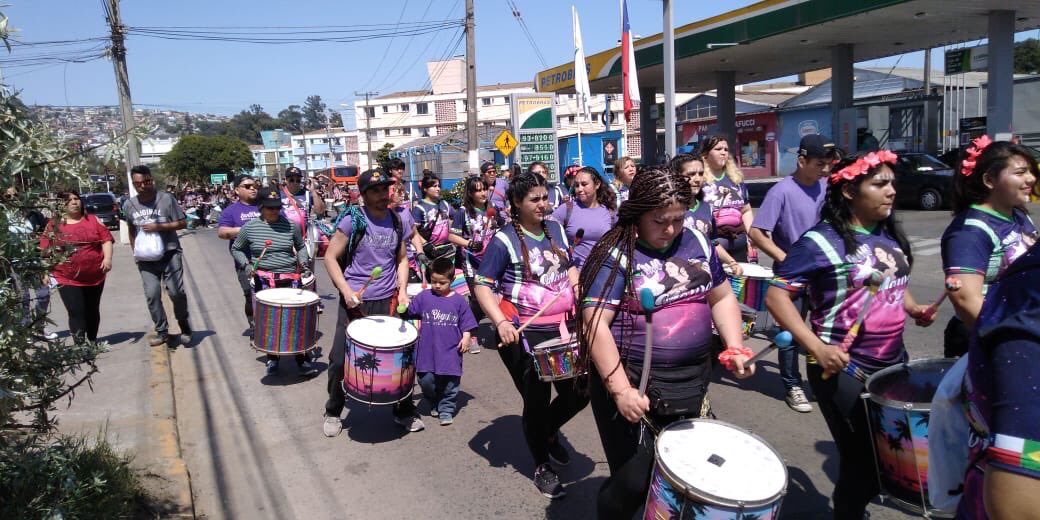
<point>990,228</point>
<point>593,210</point>
<point>727,195</point>
<point>528,262</point>
<point>650,249</point>
<point>433,219</point>
<point>856,245</point>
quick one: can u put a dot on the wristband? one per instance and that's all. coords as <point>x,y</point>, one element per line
<point>726,356</point>
<point>500,322</point>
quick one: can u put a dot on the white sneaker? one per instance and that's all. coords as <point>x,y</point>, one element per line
<point>797,401</point>
<point>412,424</point>
<point>474,346</point>
<point>332,426</point>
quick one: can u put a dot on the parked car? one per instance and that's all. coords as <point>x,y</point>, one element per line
<point>922,181</point>
<point>104,206</point>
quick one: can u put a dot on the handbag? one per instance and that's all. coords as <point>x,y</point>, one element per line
<point>148,246</point>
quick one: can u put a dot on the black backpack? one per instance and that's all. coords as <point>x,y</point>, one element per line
<point>358,226</point>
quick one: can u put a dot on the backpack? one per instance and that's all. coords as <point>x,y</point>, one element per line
<point>358,226</point>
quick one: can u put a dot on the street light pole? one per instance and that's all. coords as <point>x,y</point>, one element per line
<point>471,91</point>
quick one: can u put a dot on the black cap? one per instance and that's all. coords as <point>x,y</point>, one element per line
<point>817,146</point>
<point>269,198</point>
<point>242,178</point>
<point>292,170</point>
<point>486,167</point>
<point>373,178</point>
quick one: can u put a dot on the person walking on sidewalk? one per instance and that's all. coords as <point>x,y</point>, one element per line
<point>791,208</point>
<point>154,218</point>
<point>81,277</point>
<point>231,221</point>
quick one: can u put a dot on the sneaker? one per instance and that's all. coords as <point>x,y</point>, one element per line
<point>547,482</point>
<point>474,346</point>
<point>706,411</point>
<point>557,453</point>
<point>332,426</point>
<point>446,419</point>
<point>272,367</point>
<point>434,413</point>
<point>797,401</point>
<point>412,423</point>
<point>307,369</point>
<point>158,339</point>
<point>50,334</point>
<point>184,338</point>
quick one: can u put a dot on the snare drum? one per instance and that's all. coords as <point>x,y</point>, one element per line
<point>898,409</point>
<point>556,360</point>
<point>458,283</point>
<point>380,360</point>
<point>750,287</point>
<point>285,321</point>
<point>710,469</point>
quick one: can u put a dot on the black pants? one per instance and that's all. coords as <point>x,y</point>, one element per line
<point>542,418</point>
<point>630,449</point>
<point>247,292</point>
<point>83,305</point>
<point>955,338</point>
<point>337,357</point>
<point>857,483</point>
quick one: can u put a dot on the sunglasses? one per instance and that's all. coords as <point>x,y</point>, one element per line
<point>247,186</point>
<point>292,179</point>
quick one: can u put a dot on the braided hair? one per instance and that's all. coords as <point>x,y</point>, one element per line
<point>837,211</point>
<point>652,188</point>
<point>519,186</point>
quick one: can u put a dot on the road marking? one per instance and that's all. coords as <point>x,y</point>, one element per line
<point>925,246</point>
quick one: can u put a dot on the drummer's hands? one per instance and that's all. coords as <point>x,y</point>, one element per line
<point>507,333</point>
<point>735,269</point>
<point>922,314</point>
<point>632,405</point>
<point>353,299</point>
<point>831,359</point>
<point>403,299</point>
<point>739,368</point>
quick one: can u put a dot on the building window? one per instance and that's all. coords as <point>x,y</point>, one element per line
<point>425,131</point>
<point>465,105</point>
<point>386,132</point>
<point>386,108</point>
<point>372,135</point>
<point>505,100</point>
<point>485,101</point>
<point>404,107</point>
<point>370,112</point>
<point>406,131</point>
<point>570,119</point>
<point>422,108</point>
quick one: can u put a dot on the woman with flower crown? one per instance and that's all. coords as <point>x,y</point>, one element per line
<point>990,228</point>
<point>856,249</point>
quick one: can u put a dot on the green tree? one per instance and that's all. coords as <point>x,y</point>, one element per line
<point>291,119</point>
<point>383,156</point>
<point>336,120</point>
<point>1027,56</point>
<point>314,116</point>
<point>245,125</point>
<point>195,157</point>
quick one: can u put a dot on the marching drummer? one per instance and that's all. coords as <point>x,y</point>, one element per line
<point>528,262</point>
<point>727,194</point>
<point>433,220</point>
<point>230,223</point>
<point>699,216</point>
<point>990,230</point>
<point>593,211</point>
<point>855,251</point>
<point>277,245</point>
<point>792,207</point>
<point>676,269</point>
<point>368,237</point>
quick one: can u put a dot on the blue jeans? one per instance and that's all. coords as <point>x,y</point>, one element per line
<point>441,391</point>
<point>787,357</point>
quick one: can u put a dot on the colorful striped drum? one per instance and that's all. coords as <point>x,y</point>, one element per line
<point>285,321</point>
<point>750,287</point>
<point>458,284</point>
<point>556,360</point>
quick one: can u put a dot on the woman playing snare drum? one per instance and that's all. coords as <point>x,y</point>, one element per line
<point>528,262</point>
<point>857,244</point>
<point>650,249</point>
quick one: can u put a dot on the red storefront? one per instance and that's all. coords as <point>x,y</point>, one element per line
<point>756,148</point>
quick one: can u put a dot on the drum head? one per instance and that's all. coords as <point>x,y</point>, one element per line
<point>913,383</point>
<point>756,271</point>
<point>721,463</point>
<point>413,289</point>
<point>556,342</point>
<point>286,296</point>
<point>382,332</point>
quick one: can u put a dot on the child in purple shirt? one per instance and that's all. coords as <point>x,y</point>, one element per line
<point>446,328</point>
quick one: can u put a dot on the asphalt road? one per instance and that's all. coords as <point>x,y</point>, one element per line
<point>255,449</point>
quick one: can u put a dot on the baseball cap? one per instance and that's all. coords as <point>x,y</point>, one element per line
<point>503,168</point>
<point>242,178</point>
<point>815,145</point>
<point>292,170</point>
<point>373,178</point>
<point>486,167</point>
<point>269,198</point>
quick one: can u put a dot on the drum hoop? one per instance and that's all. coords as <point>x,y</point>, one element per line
<point>404,346</point>
<point>558,342</point>
<point>388,347</point>
<point>902,405</point>
<point>316,301</point>
<point>712,499</point>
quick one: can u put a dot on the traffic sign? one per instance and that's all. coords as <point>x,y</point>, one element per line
<point>505,142</point>
<point>217,178</point>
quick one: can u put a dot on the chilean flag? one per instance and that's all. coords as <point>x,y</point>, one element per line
<point>629,77</point>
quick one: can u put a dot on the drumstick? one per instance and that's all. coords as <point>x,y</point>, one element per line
<point>782,339</point>
<point>377,271</point>
<point>873,283</point>
<point>646,301</point>
<point>537,314</point>
<point>952,285</point>
<point>267,244</point>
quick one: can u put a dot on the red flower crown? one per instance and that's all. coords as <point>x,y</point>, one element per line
<point>863,165</point>
<point>972,153</point>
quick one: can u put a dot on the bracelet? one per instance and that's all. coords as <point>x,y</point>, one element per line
<point>500,322</point>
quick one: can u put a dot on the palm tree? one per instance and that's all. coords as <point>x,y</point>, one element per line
<point>367,363</point>
<point>903,430</point>
<point>895,443</point>
<point>923,420</point>
<point>407,359</point>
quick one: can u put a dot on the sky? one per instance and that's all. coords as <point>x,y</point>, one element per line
<point>226,77</point>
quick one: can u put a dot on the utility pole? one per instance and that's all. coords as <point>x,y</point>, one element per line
<point>368,118</point>
<point>471,91</point>
<point>126,108</point>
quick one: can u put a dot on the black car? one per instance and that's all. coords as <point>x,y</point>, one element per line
<point>104,206</point>
<point>922,181</point>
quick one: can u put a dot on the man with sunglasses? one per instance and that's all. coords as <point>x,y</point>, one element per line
<point>231,221</point>
<point>299,200</point>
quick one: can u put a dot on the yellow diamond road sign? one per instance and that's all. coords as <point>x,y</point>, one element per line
<point>505,142</point>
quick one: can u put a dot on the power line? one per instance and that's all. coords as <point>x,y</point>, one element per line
<point>526,31</point>
<point>386,50</point>
<point>407,44</point>
<point>292,37</point>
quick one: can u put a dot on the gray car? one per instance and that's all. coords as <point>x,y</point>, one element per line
<point>104,206</point>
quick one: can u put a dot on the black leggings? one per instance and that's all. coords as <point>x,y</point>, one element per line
<point>83,304</point>
<point>541,418</point>
<point>857,482</point>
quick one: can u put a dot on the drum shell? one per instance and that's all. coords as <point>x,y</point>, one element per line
<point>284,329</point>
<point>379,375</point>
<point>555,360</point>
<point>751,290</point>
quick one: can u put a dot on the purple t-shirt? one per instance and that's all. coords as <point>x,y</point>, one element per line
<point>236,215</point>
<point>789,210</point>
<point>377,248</point>
<point>698,218</point>
<point>443,320</point>
<point>407,227</point>
<point>835,281</point>
<point>474,227</point>
<point>982,241</point>
<point>556,196</point>
<point>726,199</point>
<point>497,197</point>
<point>680,279</point>
<point>530,284</point>
<point>595,221</point>
<point>433,220</point>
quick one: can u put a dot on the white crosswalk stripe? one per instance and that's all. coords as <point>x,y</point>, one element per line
<point>924,246</point>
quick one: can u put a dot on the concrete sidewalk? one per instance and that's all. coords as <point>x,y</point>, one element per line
<point>132,398</point>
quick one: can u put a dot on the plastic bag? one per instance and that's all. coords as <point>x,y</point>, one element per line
<point>148,246</point>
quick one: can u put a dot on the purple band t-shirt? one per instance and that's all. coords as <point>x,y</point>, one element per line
<point>727,199</point>
<point>377,248</point>
<point>476,227</point>
<point>236,215</point>
<point>789,210</point>
<point>497,197</point>
<point>836,283</point>
<point>680,279</point>
<point>444,319</point>
<point>595,221</point>
<point>698,218</point>
<point>433,220</point>
<point>982,241</point>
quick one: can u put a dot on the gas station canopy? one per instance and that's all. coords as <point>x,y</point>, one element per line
<point>776,38</point>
